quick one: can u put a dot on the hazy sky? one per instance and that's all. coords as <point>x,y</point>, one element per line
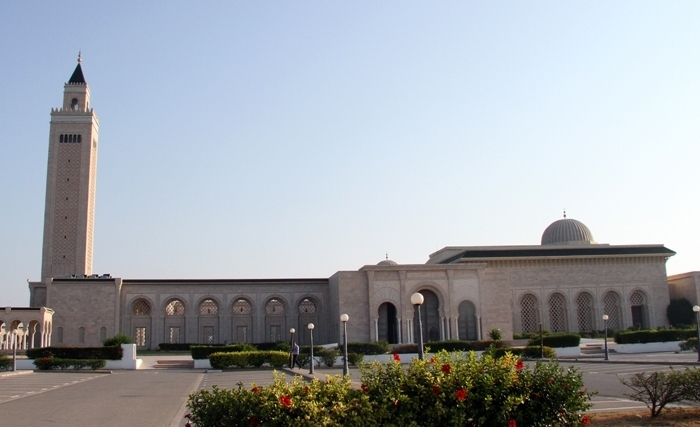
<point>296,139</point>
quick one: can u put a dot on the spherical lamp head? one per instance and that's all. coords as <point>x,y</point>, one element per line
<point>311,326</point>
<point>344,317</point>
<point>696,308</point>
<point>417,298</point>
<point>292,330</point>
<point>605,317</point>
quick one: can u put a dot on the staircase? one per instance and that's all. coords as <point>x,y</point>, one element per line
<point>174,364</point>
<point>594,349</point>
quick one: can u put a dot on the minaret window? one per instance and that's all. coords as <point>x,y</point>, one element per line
<point>74,104</point>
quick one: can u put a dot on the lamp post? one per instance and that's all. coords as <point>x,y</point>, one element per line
<point>14,350</point>
<point>417,299</point>
<point>291,348</point>
<point>344,318</point>
<point>696,309</point>
<point>605,320</point>
<point>311,349</point>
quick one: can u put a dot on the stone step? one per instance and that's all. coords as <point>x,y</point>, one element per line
<point>174,364</point>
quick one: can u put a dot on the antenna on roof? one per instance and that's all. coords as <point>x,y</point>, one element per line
<point>564,213</point>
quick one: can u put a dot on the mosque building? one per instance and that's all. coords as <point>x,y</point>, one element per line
<point>566,283</point>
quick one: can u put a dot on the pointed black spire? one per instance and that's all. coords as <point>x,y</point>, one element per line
<point>77,77</point>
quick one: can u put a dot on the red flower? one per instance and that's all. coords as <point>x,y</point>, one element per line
<point>253,421</point>
<point>512,423</point>
<point>306,389</point>
<point>585,420</point>
<point>551,380</point>
<point>461,394</point>
<point>364,388</point>
<point>432,360</point>
<point>397,358</point>
<point>446,368</point>
<point>188,416</point>
<point>396,402</point>
<point>436,389</point>
<point>187,424</point>
<point>255,389</point>
<point>519,365</point>
<point>286,401</point>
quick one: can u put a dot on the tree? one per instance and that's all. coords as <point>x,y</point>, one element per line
<point>680,312</point>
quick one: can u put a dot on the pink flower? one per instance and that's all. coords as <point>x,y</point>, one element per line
<point>460,394</point>
<point>512,423</point>
<point>446,368</point>
<point>519,365</point>
<point>286,401</point>
<point>436,389</point>
<point>397,358</point>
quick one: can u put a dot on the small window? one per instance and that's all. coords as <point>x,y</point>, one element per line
<point>175,308</point>
<point>140,333</point>
<point>81,335</point>
<point>74,104</point>
<point>208,307</point>
<point>141,307</point>
<point>174,335</point>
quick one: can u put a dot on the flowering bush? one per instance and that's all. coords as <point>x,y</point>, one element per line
<point>449,389</point>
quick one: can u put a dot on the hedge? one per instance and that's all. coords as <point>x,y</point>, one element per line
<point>557,340</point>
<point>50,363</point>
<point>243,359</point>
<point>530,352</point>
<point>203,351</point>
<point>5,363</point>
<point>662,335</point>
<point>109,353</point>
<point>367,348</point>
<point>459,345</point>
<point>165,346</point>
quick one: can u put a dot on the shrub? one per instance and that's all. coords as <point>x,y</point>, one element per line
<point>109,353</point>
<point>203,351</point>
<point>181,346</point>
<point>5,363</point>
<point>50,363</point>
<point>118,339</point>
<point>368,348</point>
<point>530,352</point>
<point>691,344</point>
<point>459,345</point>
<point>557,340</point>
<point>278,358</point>
<point>647,336</point>
<point>680,311</point>
<point>273,346</point>
<point>355,359</point>
<point>495,334</point>
<point>658,389</point>
<point>448,389</point>
<point>328,356</point>
<point>242,359</point>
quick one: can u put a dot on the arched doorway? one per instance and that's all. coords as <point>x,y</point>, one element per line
<point>467,321</point>
<point>387,323</point>
<point>430,317</point>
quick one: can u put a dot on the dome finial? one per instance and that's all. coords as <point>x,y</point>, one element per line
<point>387,255</point>
<point>80,56</point>
<point>564,213</point>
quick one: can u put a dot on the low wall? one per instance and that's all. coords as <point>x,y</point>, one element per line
<point>127,362</point>
<point>651,347</point>
<point>567,351</point>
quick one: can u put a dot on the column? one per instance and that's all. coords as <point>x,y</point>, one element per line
<point>376,329</point>
<point>398,326</point>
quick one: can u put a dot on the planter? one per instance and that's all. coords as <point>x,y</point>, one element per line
<point>568,351</point>
<point>646,348</point>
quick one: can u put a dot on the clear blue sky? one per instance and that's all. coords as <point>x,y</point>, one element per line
<point>295,139</point>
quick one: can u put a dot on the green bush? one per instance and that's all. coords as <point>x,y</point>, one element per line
<point>647,336</point>
<point>680,311</point>
<point>459,345</point>
<point>557,340</point>
<point>50,363</point>
<point>355,359</point>
<point>109,353</point>
<point>181,346</point>
<point>368,348</point>
<point>328,356</point>
<point>691,344</point>
<point>450,389</point>
<point>203,351</point>
<point>404,348</point>
<point>118,339</point>
<point>495,334</point>
<point>530,352</point>
<point>5,363</point>
<point>243,359</point>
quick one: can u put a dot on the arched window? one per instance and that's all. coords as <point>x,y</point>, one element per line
<point>242,306</point>
<point>387,325</point>
<point>74,104</point>
<point>430,317</point>
<point>306,306</point>
<point>529,313</point>
<point>141,307</point>
<point>584,312</point>
<point>557,313</point>
<point>175,308</point>
<point>611,302</point>
<point>208,307</point>
<point>274,306</point>
<point>638,305</point>
<point>467,321</point>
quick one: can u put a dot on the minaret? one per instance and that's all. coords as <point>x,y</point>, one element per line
<point>70,183</point>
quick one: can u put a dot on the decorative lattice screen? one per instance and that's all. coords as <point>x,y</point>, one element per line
<point>242,306</point>
<point>208,307</point>
<point>175,308</point>
<point>530,317</point>
<point>208,335</point>
<point>141,307</point>
<point>306,306</point>
<point>611,301</point>
<point>637,298</point>
<point>274,306</point>
<point>557,313</point>
<point>140,336</point>
<point>174,335</point>
<point>584,305</point>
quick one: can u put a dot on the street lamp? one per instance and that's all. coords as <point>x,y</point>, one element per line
<point>311,349</point>
<point>417,299</point>
<point>696,309</point>
<point>291,348</point>
<point>605,320</point>
<point>14,350</point>
<point>344,318</point>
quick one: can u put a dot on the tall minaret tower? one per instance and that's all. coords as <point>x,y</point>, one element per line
<point>70,183</point>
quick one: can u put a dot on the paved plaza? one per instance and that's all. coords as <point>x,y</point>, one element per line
<point>157,397</point>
